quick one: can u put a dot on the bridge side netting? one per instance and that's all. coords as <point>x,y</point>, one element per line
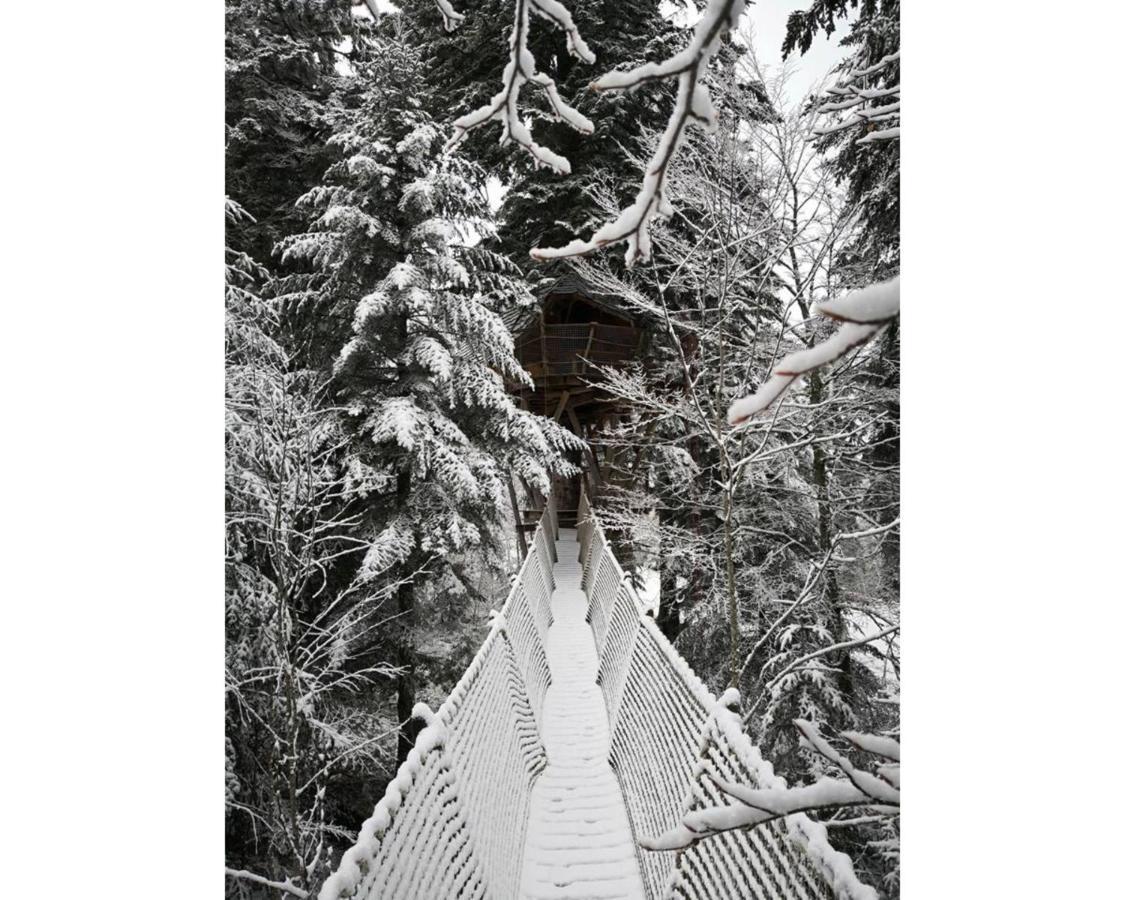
<point>760,862</point>
<point>670,738</point>
<point>453,821</point>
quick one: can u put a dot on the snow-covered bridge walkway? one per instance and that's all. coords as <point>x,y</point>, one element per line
<point>579,843</point>
<point>576,732</point>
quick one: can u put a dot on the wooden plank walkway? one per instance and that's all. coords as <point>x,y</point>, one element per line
<point>579,845</point>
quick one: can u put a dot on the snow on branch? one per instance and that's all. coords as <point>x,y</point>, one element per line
<point>752,806</point>
<point>504,106</point>
<point>849,94</point>
<point>693,105</point>
<point>449,16</point>
<point>864,313</point>
<point>286,886</point>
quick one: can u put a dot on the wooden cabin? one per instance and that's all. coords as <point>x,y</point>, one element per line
<point>562,343</point>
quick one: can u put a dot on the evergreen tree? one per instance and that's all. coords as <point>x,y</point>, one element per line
<point>869,170</point>
<point>395,249</point>
<point>281,72</point>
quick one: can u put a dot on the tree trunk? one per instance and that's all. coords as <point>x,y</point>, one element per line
<point>824,535</point>
<point>407,691</point>
<point>885,454</point>
<point>406,686</point>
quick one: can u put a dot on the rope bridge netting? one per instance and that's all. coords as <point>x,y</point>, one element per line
<point>453,822</point>
<point>671,738</point>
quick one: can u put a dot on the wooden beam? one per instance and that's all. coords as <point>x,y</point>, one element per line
<point>589,344</point>
<point>562,405</point>
<point>543,341</point>
<point>519,517</point>
<point>592,458</point>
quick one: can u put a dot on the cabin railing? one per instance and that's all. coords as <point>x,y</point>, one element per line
<point>571,349</point>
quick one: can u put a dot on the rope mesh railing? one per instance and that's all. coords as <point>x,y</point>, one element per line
<point>453,820</point>
<point>670,739</point>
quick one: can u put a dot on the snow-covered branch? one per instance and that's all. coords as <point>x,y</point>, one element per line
<point>504,106</point>
<point>850,94</point>
<point>693,105</point>
<point>864,313</point>
<point>450,17</point>
<point>878,792</point>
<point>824,651</point>
<point>287,886</point>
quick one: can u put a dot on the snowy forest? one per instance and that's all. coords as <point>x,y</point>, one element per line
<point>515,285</point>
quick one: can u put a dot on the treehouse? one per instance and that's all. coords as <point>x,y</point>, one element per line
<point>565,343</point>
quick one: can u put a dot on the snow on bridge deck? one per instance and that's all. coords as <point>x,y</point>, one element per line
<point>579,844</point>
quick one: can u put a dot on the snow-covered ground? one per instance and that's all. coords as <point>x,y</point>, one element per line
<point>579,843</point>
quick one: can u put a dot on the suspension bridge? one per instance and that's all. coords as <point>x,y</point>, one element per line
<point>576,732</point>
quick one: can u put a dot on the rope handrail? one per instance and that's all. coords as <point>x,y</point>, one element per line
<point>452,821</point>
<point>671,738</point>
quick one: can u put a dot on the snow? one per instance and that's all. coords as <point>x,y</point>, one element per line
<point>846,338</point>
<point>874,303</point>
<point>693,106</point>
<point>887,134</point>
<point>450,17</point>
<point>864,313</point>
<point>552,721</point>
<point>504,106</point>
<point>390,546</point>
<point>852,96</point>
<point>579,843</point>
<point>873,743</point>
<point>760,400</point>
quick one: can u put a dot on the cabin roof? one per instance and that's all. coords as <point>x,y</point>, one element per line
<point>519,319</point>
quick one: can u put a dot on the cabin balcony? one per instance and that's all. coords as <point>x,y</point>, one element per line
<point>575,349</point>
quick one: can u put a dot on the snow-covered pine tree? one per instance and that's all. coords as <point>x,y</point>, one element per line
<point>395,247</point>
<point>281,58</point>
<point>869,170</point>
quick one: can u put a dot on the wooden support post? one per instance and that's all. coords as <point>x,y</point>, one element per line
<point>543,345</point>
<point>589,345</point>
<point>562,405</point>
<point>519,518</point>
<point>591,457</point>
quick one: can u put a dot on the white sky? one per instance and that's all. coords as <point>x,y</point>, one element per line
<point>766,19</point>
